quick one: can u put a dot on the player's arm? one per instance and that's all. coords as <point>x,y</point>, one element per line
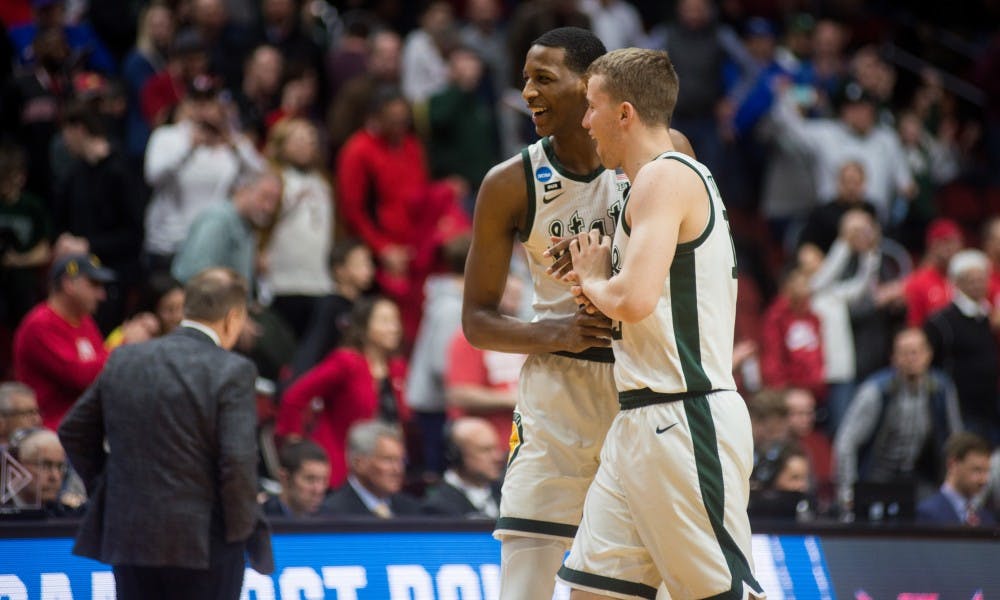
<point>659,202</point>
<point>501,210</point>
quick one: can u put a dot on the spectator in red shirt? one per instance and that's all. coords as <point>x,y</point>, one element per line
<point>360,381</point>
<point>791,348</point>
<point>58,350</point>
<point>927,290</point>
<point>163,92</point>
<point>387,199</point>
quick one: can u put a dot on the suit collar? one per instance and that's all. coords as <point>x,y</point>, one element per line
<point>193,328</point>
<point>370,500</point>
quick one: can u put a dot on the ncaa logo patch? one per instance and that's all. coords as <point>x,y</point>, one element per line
<point>543,174</point>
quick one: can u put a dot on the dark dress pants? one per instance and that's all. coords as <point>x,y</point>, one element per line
<point>223,580</point>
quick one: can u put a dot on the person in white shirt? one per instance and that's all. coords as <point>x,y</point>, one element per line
<point>299,245</point>
<point>191,165</point>
<point>616,22</point>
<point>853,136</point>
<point>425,70</point>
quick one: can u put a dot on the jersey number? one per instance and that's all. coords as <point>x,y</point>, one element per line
<point>729,230</point>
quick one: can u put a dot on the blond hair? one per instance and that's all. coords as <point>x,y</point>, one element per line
<point>644,78</point>
<point>278,137</point>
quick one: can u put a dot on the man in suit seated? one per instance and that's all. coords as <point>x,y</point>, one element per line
<point>304,477</point>
<point>968,459</point>
<point>38,450</point>
<point>376,459</point>
<point>471,482</point>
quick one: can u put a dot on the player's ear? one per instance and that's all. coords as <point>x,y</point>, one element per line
<point>626,113</point>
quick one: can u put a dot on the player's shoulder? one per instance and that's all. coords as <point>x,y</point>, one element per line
<point>676,168</point>
<point>505,182</point>
<point>510,171</point>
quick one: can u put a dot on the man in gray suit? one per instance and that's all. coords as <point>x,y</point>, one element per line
<point>173,486</point>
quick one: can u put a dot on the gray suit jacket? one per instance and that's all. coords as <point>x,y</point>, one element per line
<point>179,476</point>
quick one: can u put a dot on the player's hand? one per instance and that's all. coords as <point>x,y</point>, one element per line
<point>583,330</point>
<point>582,301</point>
<point>395,259</point>
<point>562,260</point>
<point>591,256</point>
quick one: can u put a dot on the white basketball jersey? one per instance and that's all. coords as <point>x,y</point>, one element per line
<point>686,344</point>
<point>562,204</point>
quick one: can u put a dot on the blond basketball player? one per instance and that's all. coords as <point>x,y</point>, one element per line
<point>669,501</point>
<point>567,398</point>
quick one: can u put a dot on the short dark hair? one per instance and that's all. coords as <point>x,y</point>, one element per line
<point>294,454</point>
<point>342,249</point>
<point>384,95</point>
<point>13,160</point>
<point>965,443</point>
<point>772,462</point>
<point>582,46</point>
<point>213,292</point>
<point>84,114</point>
<point>156,286</point>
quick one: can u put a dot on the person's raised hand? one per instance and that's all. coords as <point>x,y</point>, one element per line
<point>140,328</point>
<point>395,259</point>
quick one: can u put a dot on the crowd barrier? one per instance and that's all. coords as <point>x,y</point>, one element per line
<point>448,560</point>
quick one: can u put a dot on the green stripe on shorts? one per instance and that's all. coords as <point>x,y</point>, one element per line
<point>539,527</point>
<point>609,584</point>
<point>706,458</point>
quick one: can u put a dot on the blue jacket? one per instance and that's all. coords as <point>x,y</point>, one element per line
<point>939,510</point>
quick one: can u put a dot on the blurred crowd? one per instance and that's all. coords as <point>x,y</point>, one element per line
<point>330,152</point>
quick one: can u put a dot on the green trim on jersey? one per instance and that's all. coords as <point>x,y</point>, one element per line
<point>608,584</point>
<point>684,312</point>
<point>529,180</point>
<point>593,354</point>
<point>709,465</point>
<point>534,526</point>
<point>691,245</point>
<point>625,225</point>
<point>550,153</point>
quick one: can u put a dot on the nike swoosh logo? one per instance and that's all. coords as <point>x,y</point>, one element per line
<point>547,199</point>
<point>658,430</point>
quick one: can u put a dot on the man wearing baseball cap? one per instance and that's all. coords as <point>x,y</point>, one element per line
<point>927,289</point>
<point>58,350</point>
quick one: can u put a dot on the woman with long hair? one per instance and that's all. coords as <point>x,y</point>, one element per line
<point>359,381</point>
<point>147,58</point>
<point>298,246</point>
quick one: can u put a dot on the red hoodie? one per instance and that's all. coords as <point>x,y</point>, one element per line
<point>792,348</point>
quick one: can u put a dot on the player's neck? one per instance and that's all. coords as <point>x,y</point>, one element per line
<point>643,146</point>
<point>576,152</point>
